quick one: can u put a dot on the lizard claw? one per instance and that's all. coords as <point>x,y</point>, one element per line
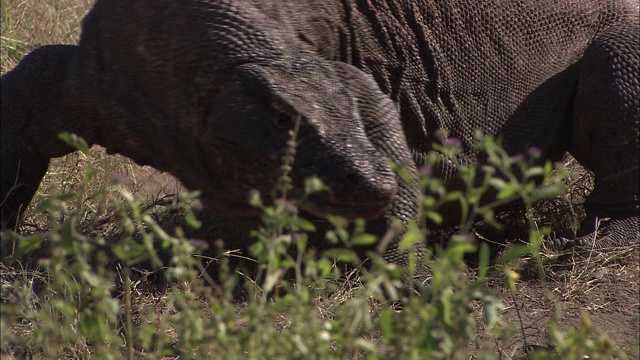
<point>601,233</point>
<point>564,239</point>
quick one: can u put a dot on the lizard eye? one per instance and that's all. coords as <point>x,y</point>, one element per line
<point>283,121</point>
<point>284,116</point>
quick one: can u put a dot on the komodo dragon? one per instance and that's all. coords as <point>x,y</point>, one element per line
<point>208,90</point>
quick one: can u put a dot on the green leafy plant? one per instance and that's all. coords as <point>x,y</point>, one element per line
<point>300,304</point>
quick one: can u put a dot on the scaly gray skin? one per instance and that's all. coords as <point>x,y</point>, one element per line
<point>207,91</point>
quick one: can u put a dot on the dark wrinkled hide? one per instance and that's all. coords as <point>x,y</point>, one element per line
<point>207,90</point>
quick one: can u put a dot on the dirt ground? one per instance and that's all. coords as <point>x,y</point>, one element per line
<point>604,287</point>
<point>600,287</point>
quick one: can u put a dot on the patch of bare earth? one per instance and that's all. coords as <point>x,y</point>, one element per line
<point>600,288</point>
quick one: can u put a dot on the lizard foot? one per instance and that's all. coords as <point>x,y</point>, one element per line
<point>602,233</point>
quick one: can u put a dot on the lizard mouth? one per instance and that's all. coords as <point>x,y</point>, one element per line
<point>323,204</point>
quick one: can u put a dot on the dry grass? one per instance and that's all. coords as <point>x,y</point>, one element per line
<point>27,24</point>
<point>598,284</point>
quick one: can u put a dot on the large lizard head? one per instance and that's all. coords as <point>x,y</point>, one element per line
<point>248,127</point>
<point>210,92</point>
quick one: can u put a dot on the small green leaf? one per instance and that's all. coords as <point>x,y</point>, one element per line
<point>428,202</point>
<point>507,192</point>
<point>434,216</point>
<point>92,279</point>
<point>454,196</point>
<point>324,267</point>
<point>402,171</point>
<point>491,307</point>
<point>365,345</point>
<point>513,252</point>
<point>130,252</point>
<point>192,221</point>
<point>364,239</point>
<point>306,225</point>
<point>67,236</point>
<point>344,255</point>
<point>89,172</point>
<point>254,199</point>
<point>331,237</point>
<point>489,216</point>
<point>29,244</point>
<point>483,257</point>
<point>511,277</point>
<point>272,279</point>
<point>54,201</point>
<point>92,325</point>
<point>546,192</point>
<point>548,168</point>
<point>314,185</point>
<point>409,239</point>
<point>534,171</point>
<point>386,323</point>
<point>74,141</point>
<point>497,183</point>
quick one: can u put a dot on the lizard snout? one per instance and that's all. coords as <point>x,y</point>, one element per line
<point>360,202</point>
